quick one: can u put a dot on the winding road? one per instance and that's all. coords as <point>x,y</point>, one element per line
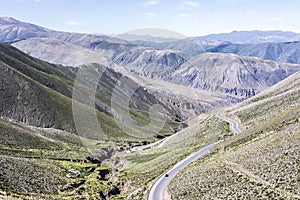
<point>234,124</point>
<point>143,148</point>
<point>160,186</point>
<point>158,145</point>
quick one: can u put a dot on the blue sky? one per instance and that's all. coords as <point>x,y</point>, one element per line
<point>189,17</point>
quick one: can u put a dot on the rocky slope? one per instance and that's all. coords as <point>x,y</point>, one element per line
<point>228,73</point>
<point>40,94</point>
<point>60,52</point>
<point>232,74</point>
<point>160,64</point>
<point>151,63</point>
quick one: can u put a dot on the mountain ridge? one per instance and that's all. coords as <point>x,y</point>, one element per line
<point>252,37</point>
<point>287,52</point>
<point>52,83</point>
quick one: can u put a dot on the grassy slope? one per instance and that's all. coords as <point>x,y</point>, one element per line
<point>27,154</point>
<point>143,168</point>
<point>261,162</point>
<point>36,161</point>
<point>40,93</point>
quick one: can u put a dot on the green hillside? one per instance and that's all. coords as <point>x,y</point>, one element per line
<point>260,163</point>
<point>41,154</point>
<point>40,94</point>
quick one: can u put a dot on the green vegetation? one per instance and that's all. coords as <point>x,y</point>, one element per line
<point>260,163</point>
<point>41,156</point>
<point>145,167</point>
<point>142,158</point>
<point>50,164</point>
<point>25,176</point>
<point>48,179</point>
<point>40,94</point>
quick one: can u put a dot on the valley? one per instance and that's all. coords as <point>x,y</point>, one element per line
<point>90,116</point>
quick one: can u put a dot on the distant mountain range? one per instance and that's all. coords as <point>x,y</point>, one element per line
<point>61,52</point>
<point>12,30</point>
<point>182,62</point>
<point>252,37</point>
<point>186,46</point>
<point>287,52</point>
<point>237,37</point>
<point>147,38</point>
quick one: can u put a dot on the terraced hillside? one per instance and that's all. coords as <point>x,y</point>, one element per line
<point>261,162</point>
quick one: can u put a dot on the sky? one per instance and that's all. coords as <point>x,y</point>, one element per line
<point>188,17</point>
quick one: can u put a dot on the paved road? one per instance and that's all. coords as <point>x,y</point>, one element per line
<point>145,147</point>
<point>233,123</point>
<point>157,145</point>
<point>157,190</point>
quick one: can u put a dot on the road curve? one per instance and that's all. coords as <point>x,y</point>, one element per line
<point>143,148</point>
<point>157,190</point>
<point>157,145</point>
<point>234,124</point>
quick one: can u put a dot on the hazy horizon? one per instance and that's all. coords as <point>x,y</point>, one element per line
<point>188,17</point>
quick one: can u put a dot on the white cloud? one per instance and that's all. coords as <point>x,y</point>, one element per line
<point>151,2</point>
<point>275,19</point>
<point>189,4</point>
<point>151,14</point>
<point>73,23</point>
<point>183,15</point>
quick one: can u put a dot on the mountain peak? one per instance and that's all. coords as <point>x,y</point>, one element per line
<point>8,20</point>
<point>14,30</point>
